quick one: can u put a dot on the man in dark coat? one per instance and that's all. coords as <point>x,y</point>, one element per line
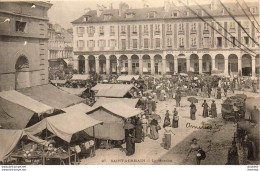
<point>178,98</point>
<point>205,109</point>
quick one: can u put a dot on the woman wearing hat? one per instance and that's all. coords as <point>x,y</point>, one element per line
<point>193,111</point>
<point>175,120</point>
<point>167,120</point>
<point>194,150</point>
<point>213,109</point>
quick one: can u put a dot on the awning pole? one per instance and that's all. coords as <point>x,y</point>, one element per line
<point>94,148</point>
<point>69,153</point>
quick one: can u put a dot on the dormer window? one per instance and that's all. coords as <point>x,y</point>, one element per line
<point>107,17</point>
<point>151,14</point>
<point>253,10</point>
<point>86,18</point>
<point>175,13</point>
<point>186,13</point>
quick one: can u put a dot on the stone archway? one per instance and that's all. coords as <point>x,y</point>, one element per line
<point>123,64</point>
<point>146,64</point>
<point>206,63</point>
<point>102,64</point>
<point>220,62</point>
<point>194,63</point>
<point>81,64</point>
<point>257,65</point>
<point>232,64</point>
<point>169,64</point>
<point>246,65</point>
<point>113,64</point>
<point>158,64</point>
<point>92,64</point>
<point>135,64</point>
<point>22,73</point>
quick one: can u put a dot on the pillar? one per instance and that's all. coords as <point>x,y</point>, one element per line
<point>97,64</point>
<point>226,65</point>
<point>140,65</point>
<point>129,65</point>
<point>239,65</point>
<point>188,63</point>
<point>107,65</point>
<point>175,64</point>
<point>200,64</point>
<point>163,66</point>
<point>76,63</point>
<point>213,63</point>
<point>152,66</point>
<point>86,66</point>
<point>118,69</point>
<point>253,66</point>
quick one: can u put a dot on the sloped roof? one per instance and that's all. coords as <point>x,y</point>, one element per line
<point>99,87</point>
<point>140,14</point>
<point>74,91</point>
<point>51,95</point>
<point>80,77</point>
<point>104,100</point>
<point>125,78</point>
<point>119,93</point>
<point>118,108</point>
<point>78,108</point>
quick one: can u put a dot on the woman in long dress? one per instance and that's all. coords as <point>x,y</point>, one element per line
<point>130,143</point>
<point>175,120</point>
<point>219,93</point>
<point>144,122</point>
<point>194,148</point>
<point>154,130</point>
<point>213,109</point>
<point>205,109</point>
<point>167,138</point>
<point>193,111</point>
<point>138,131</point>
<point>167,120</point>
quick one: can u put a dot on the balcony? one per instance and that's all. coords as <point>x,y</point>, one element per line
<point>169,33</point>
<point>123,33</point>
<point>181,32</point>
<point>181,47</point>
<point>157,32</point>
<point>134,33</point>
<point>205,31</point>
<point>193,32</point>
<point>101,34</point>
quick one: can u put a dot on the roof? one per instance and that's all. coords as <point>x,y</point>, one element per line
<point>78,108</point>
<point>99,87</point>
<point>80,77</point>
<point>58,81</point>
<point>51,95</point>
<point>74,91</point>
<point>64,125</point>
<point>127,77</point>
<point>104,100</point>
<point>119,93</point>
<point>140,14</point>
<point>25,101</point>
<point>118,108</point>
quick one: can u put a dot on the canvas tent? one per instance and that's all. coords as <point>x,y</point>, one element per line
<point>78,108</point>
<point>58,81</point>
<point>104,100</point>
<point>74,91</point>
<point>128,78</point>
<point>51,95</point>
<point>113,115</point>
<point>16,109</point>
<point>64,125</point>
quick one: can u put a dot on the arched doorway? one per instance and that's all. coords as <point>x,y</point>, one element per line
<point>232,64</point>
<point>81,60</point>
<point>113,64</point>
<point>220,62</point>
<point>22,73</point>
<point>92,64</point>
<point>102,64</point>
<point>246,65</point>
<point>169,64</point>
<point>194,63</point>
<point>146,64</point>
<point>206,64</point>
<point>182,64</point>
<point>123,64</point>
<point>135,64</point>
<point>257,65</point>
<point>158,64</point>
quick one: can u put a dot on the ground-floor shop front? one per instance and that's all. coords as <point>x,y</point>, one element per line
<point>167,62</point>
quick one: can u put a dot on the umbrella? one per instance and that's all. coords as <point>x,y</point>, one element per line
<point>129,126</point>
<point>243,96</point>
<point>192,100</point>
<point>195,78</point>
<point>184,74</point>
<point>156,117</point>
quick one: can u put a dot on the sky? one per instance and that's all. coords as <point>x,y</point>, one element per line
<point>63,12</point>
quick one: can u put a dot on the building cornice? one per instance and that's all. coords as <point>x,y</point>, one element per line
<point>23,15</point>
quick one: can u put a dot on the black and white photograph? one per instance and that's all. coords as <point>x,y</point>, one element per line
<point>129,82</point>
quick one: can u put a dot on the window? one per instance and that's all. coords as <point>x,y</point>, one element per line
<point>175,13</point>
<point>206,42</point>
<point>253,10</point>
<point>135,43</point>
<point>134,29</point>
<point>123,30</point>
<point>181,42</point>
<point>102,43</point>
<point>186,13</point>
<point>169,42</point>
<point>193,28</point>
<point>219,42</point>
<point>101,30</point>
<point>80,30</point>
<point>123,44</point>
<point>86,18</point>
<point>91,30</point>
<point>129,15</point>
<point>169,28</point>
<point>232,25</point>
<point>151,14</point>
<point>146,43</point>
<point>181,28</point>
<point>219,26</point>
<point>246,24</point>
<point>205,26</point>
<point>112,43</point>
<point>246,40</point>
<point>112,30</point>
<point>91,43</point>
<point>80,43</point>
<point>157,43</point>
<point>157,28</point>
<point>146,31</point>
<point>193,41</point>
<point>20,26</point>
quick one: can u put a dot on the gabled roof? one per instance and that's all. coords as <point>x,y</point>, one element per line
<point>118,108</point>
<point>104,100</point>
<point>80,77</point>
<point>99,87</point>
